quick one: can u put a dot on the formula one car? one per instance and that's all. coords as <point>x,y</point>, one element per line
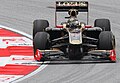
<point>73,39</point>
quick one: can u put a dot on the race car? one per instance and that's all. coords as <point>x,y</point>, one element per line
<point>72,38</point>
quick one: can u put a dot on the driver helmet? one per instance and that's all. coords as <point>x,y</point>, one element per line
<point>73,12</point>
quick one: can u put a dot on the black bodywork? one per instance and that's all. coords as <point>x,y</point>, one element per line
<point>87,39</point>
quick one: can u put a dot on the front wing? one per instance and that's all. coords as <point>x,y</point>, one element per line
<point>43,55</point>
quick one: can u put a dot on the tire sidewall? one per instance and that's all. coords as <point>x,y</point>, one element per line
<point>41,41</point>
<point>39,26</point>
<point>103,23</point>
<point>106,41</point>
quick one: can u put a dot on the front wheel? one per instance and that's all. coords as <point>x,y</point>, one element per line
<point>107,42</point>
<point>75,52</point>
<point>41,42</point>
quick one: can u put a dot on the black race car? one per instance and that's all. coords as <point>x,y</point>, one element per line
<point>73,39</point>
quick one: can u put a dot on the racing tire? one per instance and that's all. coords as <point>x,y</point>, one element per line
<point>39,26</point>
<point>104,24</point>
<point>106,41</point>
<point>41,42</point>
<point>75,53</point>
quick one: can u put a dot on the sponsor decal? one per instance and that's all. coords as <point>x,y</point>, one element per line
<point>9,78</point>
<point>14,59</point>
<point>72,3</point>
<point>24,58</point>
<point>16,41</point>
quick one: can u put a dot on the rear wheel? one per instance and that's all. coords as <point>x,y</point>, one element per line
<point>103,23</point>
<point>75,52</point>
<point>41,41</point>
<point>39,26</point>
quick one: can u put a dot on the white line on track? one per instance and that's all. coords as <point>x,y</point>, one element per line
<point>31,74</point>
<point>34,72</point>
<point>17,31</point>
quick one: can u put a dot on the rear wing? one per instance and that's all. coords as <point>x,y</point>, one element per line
<point>65,6</point>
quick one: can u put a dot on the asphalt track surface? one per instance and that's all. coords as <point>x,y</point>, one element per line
<point>19,14</point>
